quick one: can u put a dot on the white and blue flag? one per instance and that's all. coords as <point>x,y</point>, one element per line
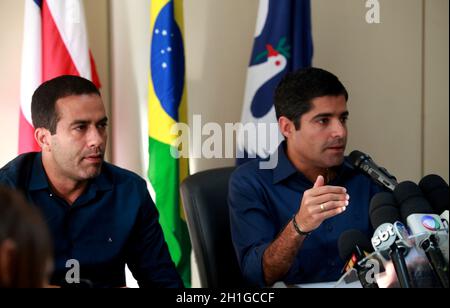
<point>283,43</point>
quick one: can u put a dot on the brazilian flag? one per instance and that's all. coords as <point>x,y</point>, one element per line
<point>167,106</point>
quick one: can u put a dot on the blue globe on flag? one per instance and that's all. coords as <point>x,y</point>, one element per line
<point>167,61</point>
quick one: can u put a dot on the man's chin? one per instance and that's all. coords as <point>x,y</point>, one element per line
<point>335,161</point>
<point>92,172</point>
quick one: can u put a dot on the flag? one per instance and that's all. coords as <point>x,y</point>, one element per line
<point>167,106</point>
<point>55,43</point>
<point>283,43</point>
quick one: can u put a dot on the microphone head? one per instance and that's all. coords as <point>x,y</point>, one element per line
<point>348,241</point>
<point>383,209</point>
<point>357,157</point>
<point>436,191</point>
<point>411,200</point>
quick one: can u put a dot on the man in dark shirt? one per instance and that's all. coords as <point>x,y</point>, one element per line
<point>285,221</point>
<point>101,217</point>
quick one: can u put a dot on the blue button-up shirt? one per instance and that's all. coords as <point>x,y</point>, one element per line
<point>112,223</point>
<point>263,201</point>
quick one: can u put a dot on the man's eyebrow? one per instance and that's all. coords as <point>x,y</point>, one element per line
<point>85,122</point>
<point>104,120</point>
<point>328,115</point>
<point>79,122</point>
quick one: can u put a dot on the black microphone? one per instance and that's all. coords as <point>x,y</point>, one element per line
<point>353,247</point>
<point>384,215</point>
<point>367,165</point>
<point>436,191</point>
<point>421,220</point>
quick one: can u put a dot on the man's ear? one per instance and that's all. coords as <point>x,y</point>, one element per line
<point>7,255</point>
<point>42,136</point>
<point>286,126</point>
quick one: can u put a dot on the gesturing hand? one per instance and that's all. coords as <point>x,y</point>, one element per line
<point>320,203</point>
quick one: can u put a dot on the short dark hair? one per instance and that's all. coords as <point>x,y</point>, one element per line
<point>296,90</point>
<point>23,224</point>
<point>43,103</point>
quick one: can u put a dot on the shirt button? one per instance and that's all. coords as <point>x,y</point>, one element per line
<point>51,195</point>
<point>329,228</point>
<point>331,263</point>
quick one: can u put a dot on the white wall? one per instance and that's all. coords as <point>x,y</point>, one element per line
<point>397,79</point>
<point>380,64</point>
<point>97,19</point>
<point>436,96</point>
<point>11,23</point>
<point>219,38</point>
<point>130,58</point>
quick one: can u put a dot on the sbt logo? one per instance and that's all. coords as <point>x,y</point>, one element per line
<point>384,236</point>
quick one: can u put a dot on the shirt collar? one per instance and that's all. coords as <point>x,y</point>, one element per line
<point>284,168</point>
<point>104,181</point>
<point>38,179</point>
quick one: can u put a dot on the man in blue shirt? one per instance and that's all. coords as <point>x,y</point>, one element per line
<point>101,217</point>
<point>285,221</point>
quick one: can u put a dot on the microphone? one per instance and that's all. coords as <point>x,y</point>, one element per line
<point>384,217</point>
<point>367,165</point>
<point>436,191</point>
<point>418,215</point>
<point>354,247</point>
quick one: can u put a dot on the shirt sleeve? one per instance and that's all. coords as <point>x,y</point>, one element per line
<point>148,255</point>
<point>251,227</point>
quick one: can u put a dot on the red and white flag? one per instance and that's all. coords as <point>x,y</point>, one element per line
<point>55,43</point>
